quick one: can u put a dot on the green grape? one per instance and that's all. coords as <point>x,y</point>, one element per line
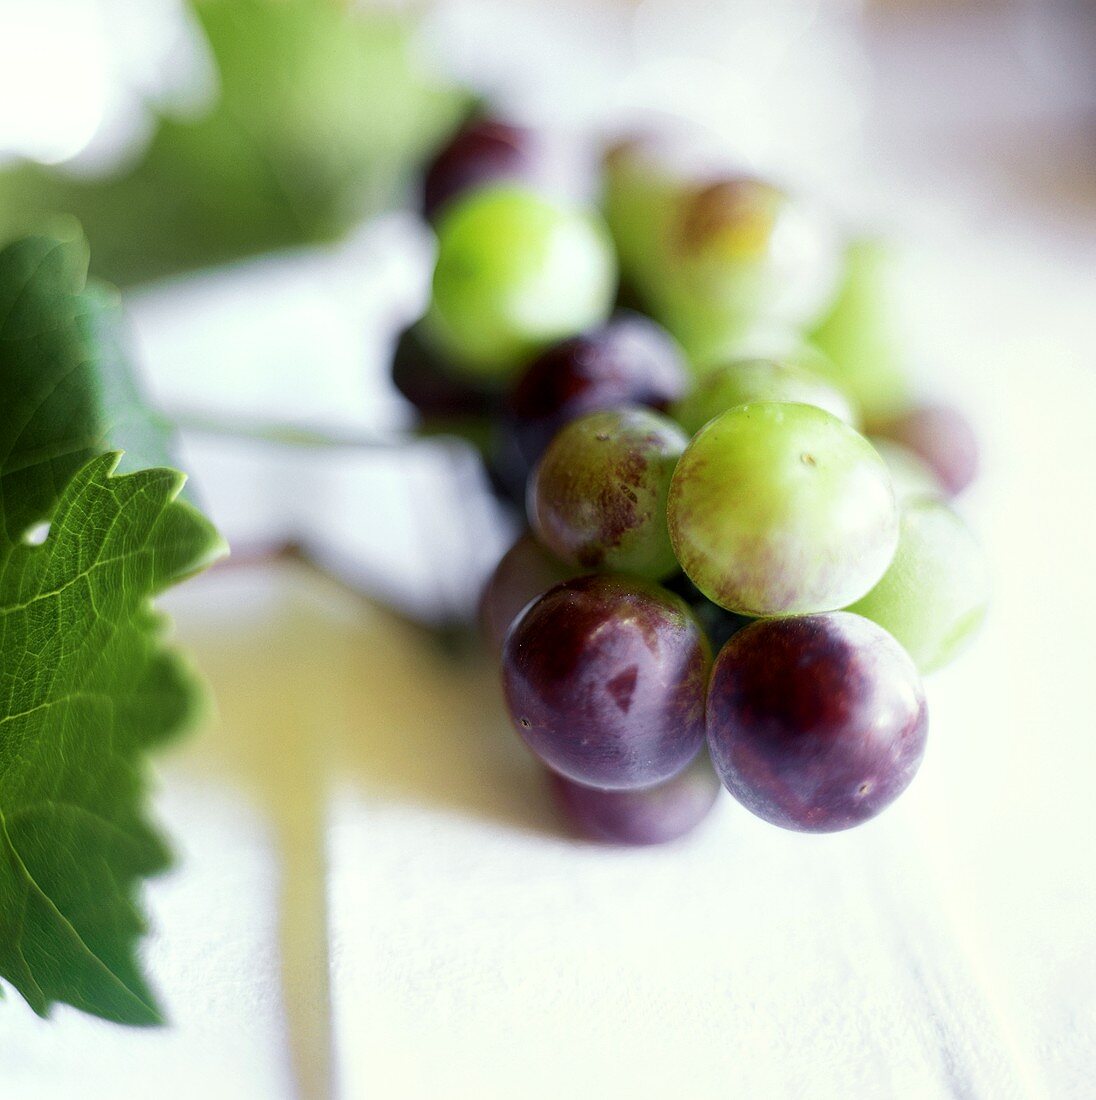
<point>597,498</point>
<point>738,253</point>
<point>716,258</point>
<point>637,202</point>
<point>762,340</point>
<point>751,380</point>
<point>911,474</point>
<point>934,595</point>
<point>861,335</point>
<point>515,272</point>
<point>779,509</point>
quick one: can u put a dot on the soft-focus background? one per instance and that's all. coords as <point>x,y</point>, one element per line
<point>373,898</point>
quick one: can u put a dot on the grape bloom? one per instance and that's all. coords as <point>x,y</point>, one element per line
<point>605,679</point>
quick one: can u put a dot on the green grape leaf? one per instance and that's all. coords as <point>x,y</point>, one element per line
<point>321,113</point>
<point>87,684</point>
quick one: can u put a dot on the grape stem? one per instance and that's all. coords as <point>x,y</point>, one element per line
<point>292,435</point>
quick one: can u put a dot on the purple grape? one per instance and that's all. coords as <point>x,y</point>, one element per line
<point>605,678</point>
<point>816,723</point>
<point>629,361</point>
<point>942,437</point>
<point>525,572</point>
<point>598,495</point>
<point>421,377</point>
<point>485,150</point>
<point>652,815</point>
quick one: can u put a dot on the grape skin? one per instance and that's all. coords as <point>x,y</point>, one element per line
<point>782,509</point>
<point>651,815</point>
<point>934,596</point>
<point>605,678</point>
<point>629,361</point>
<point>638,201</point>
<point>768,341</point>
<point>515,272</point>
<point>816,723</point>
<point>435,391</point>
<point>862,334</point>
<point>484,150</point>
<point>525,572</point>
<point>740,252</point>
<point>748,381</point>
<point>911,475</point>
<point>943,439</point>
<point>597,498</point>
<point>715,256</point>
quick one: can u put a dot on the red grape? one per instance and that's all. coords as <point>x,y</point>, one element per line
<point>651,815</point>
<point>605,678</point>
<point>597,497</point>
<point>629,361</point>
<point>421,377</point>
<point>525,572</point>
<point>942,437</point>
<point>816,723</point>
<point>485,150</point>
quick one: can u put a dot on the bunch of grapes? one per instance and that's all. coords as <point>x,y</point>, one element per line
<point>740,535</point>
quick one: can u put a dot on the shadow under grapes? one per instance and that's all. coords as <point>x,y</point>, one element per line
<point>315,689</point>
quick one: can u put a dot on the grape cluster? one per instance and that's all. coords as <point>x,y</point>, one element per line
<point>732,466</point>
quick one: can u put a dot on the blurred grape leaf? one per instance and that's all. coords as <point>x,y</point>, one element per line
<point>86,684</point>
<point>321,114</point>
